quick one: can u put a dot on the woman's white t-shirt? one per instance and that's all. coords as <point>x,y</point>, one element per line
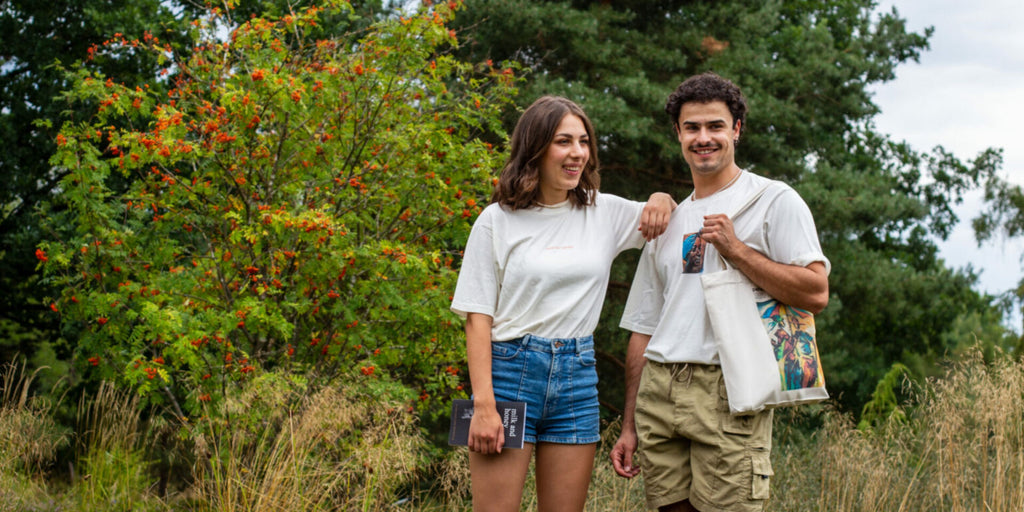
<point>544,270</point>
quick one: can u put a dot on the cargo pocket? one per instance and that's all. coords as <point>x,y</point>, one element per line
<point>743,425</point>
<point>761,466</point>
<point>738,425</point>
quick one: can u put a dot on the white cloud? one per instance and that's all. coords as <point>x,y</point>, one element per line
<point>966,95</point>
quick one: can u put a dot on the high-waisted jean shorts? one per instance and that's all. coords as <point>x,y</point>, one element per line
<point>557,378</point>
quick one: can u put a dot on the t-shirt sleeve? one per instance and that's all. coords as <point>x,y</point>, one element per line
<point>624,217</point>
<point>790,233</point>
<point>646,295</point>
<point>479,283</point>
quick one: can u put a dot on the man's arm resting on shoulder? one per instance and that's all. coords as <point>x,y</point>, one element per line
<point>625,447</point>
<point>656,215</point>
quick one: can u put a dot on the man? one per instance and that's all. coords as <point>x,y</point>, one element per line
<point>695,455</point>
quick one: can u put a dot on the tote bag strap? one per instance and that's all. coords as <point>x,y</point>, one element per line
<point>750,202</point>
<point>744,207</point>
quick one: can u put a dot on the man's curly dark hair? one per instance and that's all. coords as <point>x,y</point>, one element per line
<point>706,88</point>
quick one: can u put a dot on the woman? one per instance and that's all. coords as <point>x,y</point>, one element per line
<point>531,287</point>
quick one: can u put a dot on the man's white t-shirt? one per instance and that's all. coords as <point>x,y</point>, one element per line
<point>666,299</point>
<point>544,270</point>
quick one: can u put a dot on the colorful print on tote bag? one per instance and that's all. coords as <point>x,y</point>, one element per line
<point>791,331</point>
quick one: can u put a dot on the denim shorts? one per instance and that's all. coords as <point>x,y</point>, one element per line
<point>557,378</point>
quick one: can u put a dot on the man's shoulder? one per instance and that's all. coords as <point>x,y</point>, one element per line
<point>774,185</point>
<point>776,189</point>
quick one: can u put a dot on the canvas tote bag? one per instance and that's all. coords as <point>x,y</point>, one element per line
<point>768,349</point>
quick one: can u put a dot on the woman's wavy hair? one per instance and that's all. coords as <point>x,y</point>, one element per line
<point>518,185</point>
<point>708,87</point>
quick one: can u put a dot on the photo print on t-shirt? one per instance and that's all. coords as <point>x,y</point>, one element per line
<point>693,253</point>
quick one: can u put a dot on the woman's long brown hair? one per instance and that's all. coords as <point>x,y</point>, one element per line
<point>519,183</point>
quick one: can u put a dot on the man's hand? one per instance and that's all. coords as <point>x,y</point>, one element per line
<point>622,454</point>
<point>719,231</point>
<point>802,287</point>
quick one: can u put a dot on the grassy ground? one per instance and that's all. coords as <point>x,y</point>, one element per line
<point>958,446</point>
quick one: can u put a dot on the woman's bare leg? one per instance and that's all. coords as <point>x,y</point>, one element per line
<point>563,476</point>
<point>497,480</point>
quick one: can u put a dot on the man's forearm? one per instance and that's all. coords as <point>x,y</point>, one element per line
<point>803,287</point>
<point>635,361</point>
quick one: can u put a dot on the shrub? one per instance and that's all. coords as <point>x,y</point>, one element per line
<point>293,204</point>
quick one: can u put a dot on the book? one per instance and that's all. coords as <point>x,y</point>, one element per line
<point>513,418</point>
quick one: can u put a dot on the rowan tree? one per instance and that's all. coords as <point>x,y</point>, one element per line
<point>292,207</point>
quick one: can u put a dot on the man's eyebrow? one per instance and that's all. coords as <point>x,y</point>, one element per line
<point>697,123</point>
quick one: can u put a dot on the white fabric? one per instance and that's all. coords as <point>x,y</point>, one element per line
<point>749,367</point>
<point>544,271</point>
<point>669,305</point>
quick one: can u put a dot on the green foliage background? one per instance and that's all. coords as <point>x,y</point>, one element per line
<point>291,206</point>
<point>238,233</point>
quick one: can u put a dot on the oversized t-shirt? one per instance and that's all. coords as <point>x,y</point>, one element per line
<point>544,270</point>
<point>666,300</point>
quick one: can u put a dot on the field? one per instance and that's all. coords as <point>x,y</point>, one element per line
<point>956,444</point>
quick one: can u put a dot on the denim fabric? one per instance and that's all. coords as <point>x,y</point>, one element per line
<point>557,378</point>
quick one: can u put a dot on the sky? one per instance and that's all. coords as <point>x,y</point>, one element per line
<point>966,94</point>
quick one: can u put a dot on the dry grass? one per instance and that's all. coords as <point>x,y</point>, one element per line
<point>958,447</point>
<point>961,449</point>
<point>609,491</point>
<point>334,453</point>
<point>29,440</point>
<point>29,436</point>
<point>974,423</point>
<point>452,491</point>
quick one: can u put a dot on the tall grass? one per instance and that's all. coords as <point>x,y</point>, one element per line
<point>957,445</point>
<point>29,436</point>
<point>609,491</point>
<point>338,451</point>
<point>959,448</point>
<point>29,441</point>
<point>114,447</point>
